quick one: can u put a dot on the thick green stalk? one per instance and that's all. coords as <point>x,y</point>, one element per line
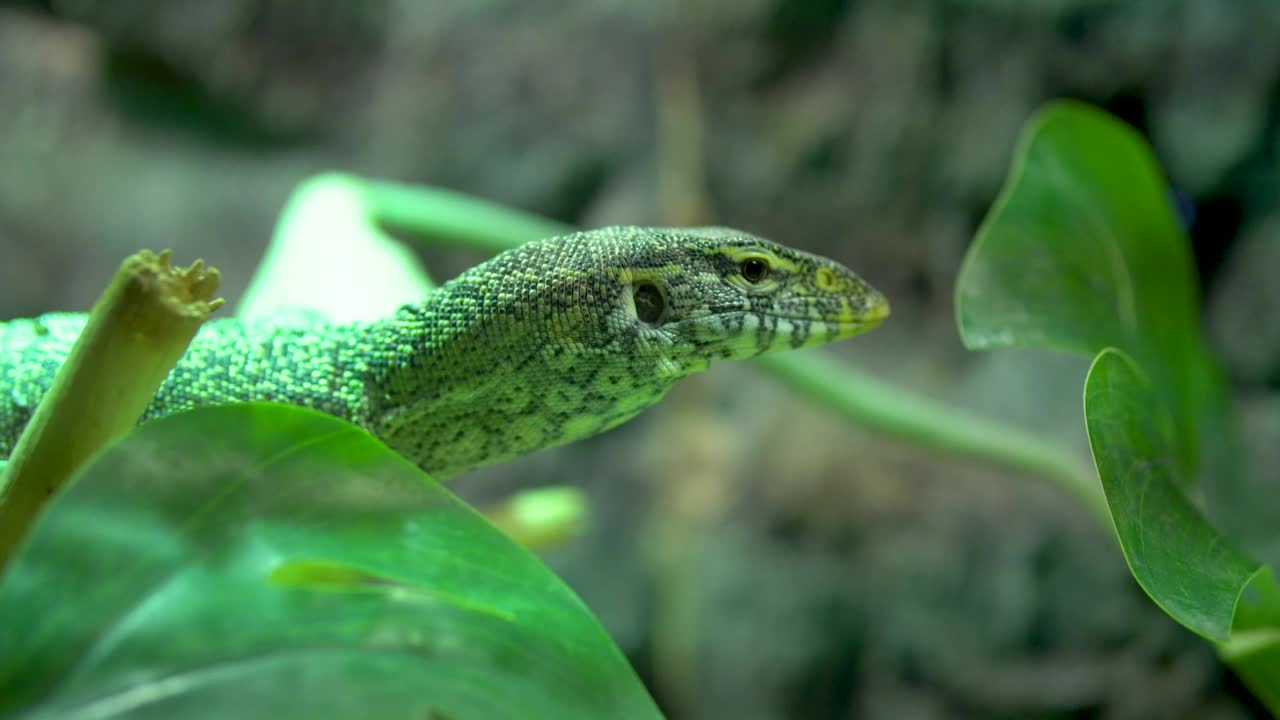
<point>868,402</point>
<point>137,331</point>
<point>453,218</point>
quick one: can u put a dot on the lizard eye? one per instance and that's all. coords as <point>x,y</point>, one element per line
<point>754,270</point>
<point>651,306</point>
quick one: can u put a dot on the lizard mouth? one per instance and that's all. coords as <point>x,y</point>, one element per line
<point>874,312</point>
<point>871,311</point>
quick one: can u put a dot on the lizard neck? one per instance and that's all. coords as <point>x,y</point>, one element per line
<point>307,363</point>
<point>478,375</point>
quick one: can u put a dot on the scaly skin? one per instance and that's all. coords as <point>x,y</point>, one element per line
<point>539,346</point>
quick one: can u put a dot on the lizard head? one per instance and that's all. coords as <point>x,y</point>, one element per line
<point>563,338</point>
<point>702,294</point>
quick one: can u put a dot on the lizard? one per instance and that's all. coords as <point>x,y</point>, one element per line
<point>541,345</point>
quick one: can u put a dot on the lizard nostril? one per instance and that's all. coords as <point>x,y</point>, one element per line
<point>825,279</point>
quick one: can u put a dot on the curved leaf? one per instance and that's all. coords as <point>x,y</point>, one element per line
<point>1082,251</point>
<point>261,561</point>
<point>1183,563</point>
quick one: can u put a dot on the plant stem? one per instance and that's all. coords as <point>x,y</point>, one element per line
<point>453,218</point>
<point>139,328</point>
<point>876,405</point>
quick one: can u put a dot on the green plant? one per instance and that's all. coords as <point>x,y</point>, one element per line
<point>341,565</point>
<point>266,561</point>
<point>1082,252</point>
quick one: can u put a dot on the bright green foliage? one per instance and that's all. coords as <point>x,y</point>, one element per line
<point>263,561</point>
<point>1083,252</point>
<point>1177,556</point>
<point>1254,648</point>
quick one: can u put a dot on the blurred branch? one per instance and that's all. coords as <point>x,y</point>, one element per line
<point>875,405</point>
<point>681,138</point>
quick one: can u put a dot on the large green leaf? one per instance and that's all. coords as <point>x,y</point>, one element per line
<point>1182,562</point>
<point>1082,252</point>
<point>1254,648</point>
<point>258,561</point>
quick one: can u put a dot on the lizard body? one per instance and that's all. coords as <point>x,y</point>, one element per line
<point>545,344</point>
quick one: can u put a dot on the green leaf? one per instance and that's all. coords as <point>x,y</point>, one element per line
<point>259,561</point>
<point>1082,251</point>
<point>1183,563</point>
<point>1254,648</point>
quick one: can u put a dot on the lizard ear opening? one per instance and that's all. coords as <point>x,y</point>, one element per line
<point>651,304</point>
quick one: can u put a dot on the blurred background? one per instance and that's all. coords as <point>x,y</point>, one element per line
<point>754,556</point>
